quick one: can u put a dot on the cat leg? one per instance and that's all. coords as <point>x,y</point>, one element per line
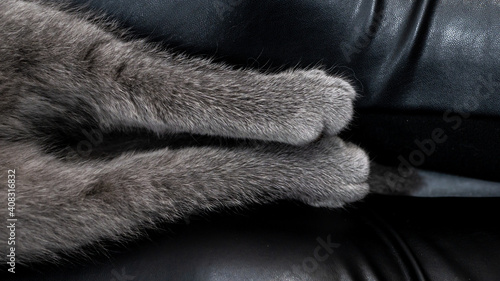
<point>63,206</point>
<point>129,83</point>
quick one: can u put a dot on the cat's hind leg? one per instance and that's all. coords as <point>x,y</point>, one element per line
<point>61,206</point>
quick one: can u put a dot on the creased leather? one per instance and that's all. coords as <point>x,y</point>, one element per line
<point>383,238</point>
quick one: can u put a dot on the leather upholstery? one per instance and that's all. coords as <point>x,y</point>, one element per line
<point>411,62</point>
<point>384,238</point>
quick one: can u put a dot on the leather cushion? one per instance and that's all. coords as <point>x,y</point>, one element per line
<point>383,238</point>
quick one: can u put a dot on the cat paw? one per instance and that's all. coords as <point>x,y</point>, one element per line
<point>335,97</point>
<point>341,172</point>
<point>316,104</point>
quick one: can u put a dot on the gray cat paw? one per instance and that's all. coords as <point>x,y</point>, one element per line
<point>341,174</point>
<point>317,104</point>
<point>336,97</point>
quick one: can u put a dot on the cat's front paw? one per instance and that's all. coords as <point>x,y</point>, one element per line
<point>335,97</point>
<point>317,104</point>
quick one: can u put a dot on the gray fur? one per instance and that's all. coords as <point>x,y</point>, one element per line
<point>60,72</point>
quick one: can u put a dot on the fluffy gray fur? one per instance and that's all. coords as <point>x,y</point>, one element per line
<point>61,71</point>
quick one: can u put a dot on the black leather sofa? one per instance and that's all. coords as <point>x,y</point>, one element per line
<point>419,66</point>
